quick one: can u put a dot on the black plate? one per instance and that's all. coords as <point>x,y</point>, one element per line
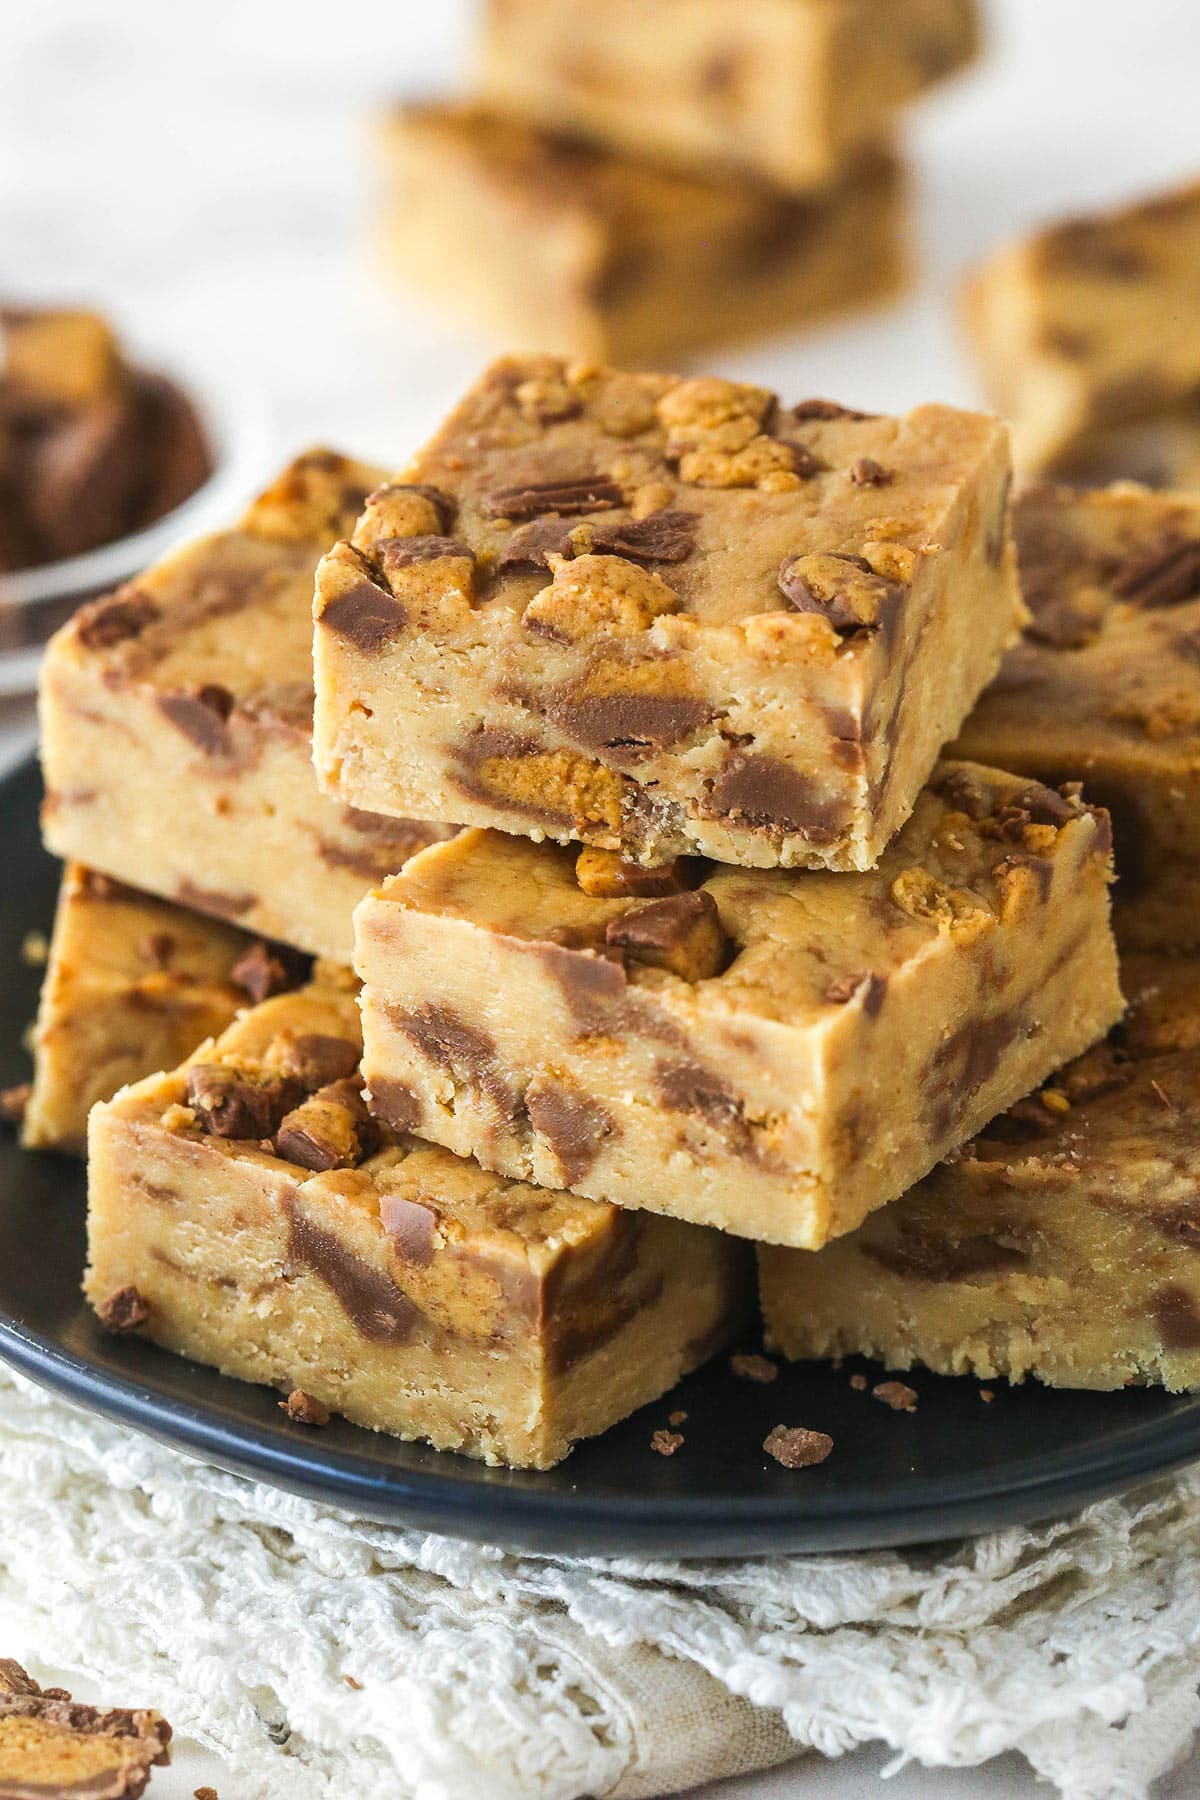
<point>956,1465</point>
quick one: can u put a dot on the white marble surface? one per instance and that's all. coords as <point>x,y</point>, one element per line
<point>202,168</point>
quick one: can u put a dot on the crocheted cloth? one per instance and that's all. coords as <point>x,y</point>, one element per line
<point>324,1657</point>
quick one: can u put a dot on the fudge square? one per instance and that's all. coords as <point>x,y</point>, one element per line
<point>787,89</point>
<point>666,616</point>
<point>176,724</point>
<point>246,1211</point>
<point>1061,1243</point>
<point>768,1052</point>
<point>132,985</point>
<point>590,253</point>
<point>1090,326</point>
<point>1105,687</point>
<point>53,1747</point>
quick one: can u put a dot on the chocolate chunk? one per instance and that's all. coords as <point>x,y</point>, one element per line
<point>124,1310</point>
<point>797,1448</point>
<point>202,714</point>
<point>531,546</point>
<point>366,615</point>
<point>682,933</point>
<point>402,553</point>
<point>465,1051</point>
<point>395,1104</point>
<point>765,792</point>
<point>211,900</point>
<point>1166,576</point>
<point>666,1443</point>
<point>1033,805</point>
<point>963,791</point>
<point>1177,1313</point>
<point>897,1395</point>
<point>262,971</point>
<point>315,1058</point>
<point>606,876</point>
<point>754,1368</point>
<point>235,1103</point>
<point>443,504</point>
<point>411,1227</point>
<point>918,1252</point>
<point>584,494</point>
<point>379,1311</point>
<point>1090,247</point>
<point>14,1102</point>
<point>825,409</point>
<point>574,1126</point>
<point>798,590</point>
<point>631,723</point>
<point>332,1130</point>
<point>304,1409</point>
<point>872,987</point>
<point>866,472</point>
<point>668,537</point>
<point>104,623</point>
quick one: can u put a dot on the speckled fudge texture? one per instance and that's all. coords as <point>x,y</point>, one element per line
<point>666,616</point>
<point>772,1053</point>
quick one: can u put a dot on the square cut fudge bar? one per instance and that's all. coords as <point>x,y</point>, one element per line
<point>547,243</point>
<point>786,89</point>
<point>247,1211</point>
<point>132,985</point>
<point>1105,688</point>
<point>772,1053</point>
<point>666,617</point>
<point>177,728</point>
<point>1089,327</point>
<point>1061,1243</point>
<point>53,1747</point>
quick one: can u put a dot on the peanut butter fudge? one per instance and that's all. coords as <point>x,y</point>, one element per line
<point>54,1748</point>
<point>1089,328</point>
<point>1061,1243</point>
<point>247,1211</point>
<point>132,985</point>
<point>786,89</point>
<point>771,1053</point>
<point>1105,687</point>
<point>177,728</point>
<point>549,244</point>
<point>666,617</point>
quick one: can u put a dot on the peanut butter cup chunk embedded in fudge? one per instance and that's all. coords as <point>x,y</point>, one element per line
<point>1105,688</point>
<point>1060,1243</point>
<point>772,1052</point>
<point>784,93</point>
<point>691,628</point>
<point>53,1747</point>
<point>196,682</point>
<point>362,1272</point>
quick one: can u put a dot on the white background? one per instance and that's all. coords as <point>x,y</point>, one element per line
<point>203,168</point>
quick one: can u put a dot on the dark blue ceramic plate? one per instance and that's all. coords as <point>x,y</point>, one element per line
<point>955,1466</point>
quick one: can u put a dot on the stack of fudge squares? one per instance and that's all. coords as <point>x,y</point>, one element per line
<point>705,941</point>
<point>626,185</point>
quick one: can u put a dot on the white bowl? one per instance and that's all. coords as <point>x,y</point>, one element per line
<point>34,602</point>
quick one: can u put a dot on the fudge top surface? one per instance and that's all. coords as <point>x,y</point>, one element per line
<point>565,179</point>
<point>422,1195</point>
<point>1111,660</point>
<point>797,948</point>
<point>227,619</point>
<point>640,509</point>
<point>1130,246</point>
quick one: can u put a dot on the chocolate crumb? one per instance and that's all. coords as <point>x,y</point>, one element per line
<point>13,1102</point>
<point>677,1418</point>
<point>205,1793</point>
<point>858,1383</point>
<point>261,972</point>
<point>124,1310</point>
<point>666,1443</point>
<point>796,1448</point>
<point>896,1394</point>
<point>754,1368</point>
<point>987,1395</point>
<point>866,472</point>
<point>304,1409</point>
